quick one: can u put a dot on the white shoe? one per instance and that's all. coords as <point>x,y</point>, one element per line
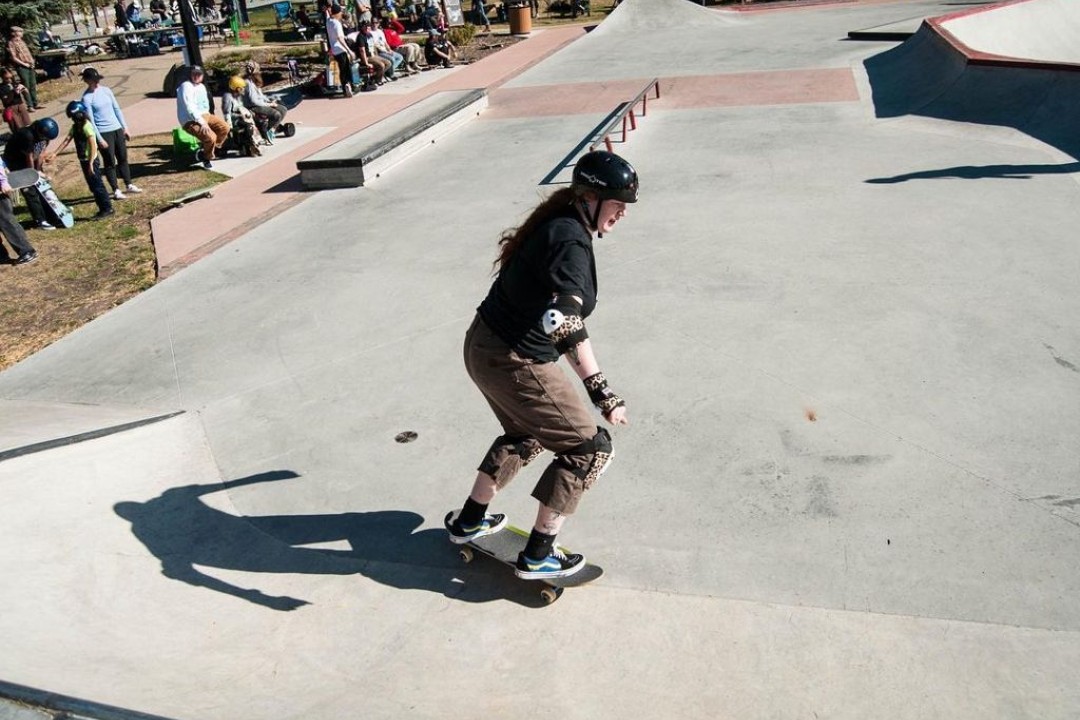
<point>117,195</point>
<point>133,188</point>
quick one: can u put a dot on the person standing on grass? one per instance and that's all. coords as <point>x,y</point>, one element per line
<point>13,97</point>
<point>25,149</point>
<point>82,133</point>
<point>20,56</point>
<point>10,227</point>
<point>193,112</point>
<point>111,130</point>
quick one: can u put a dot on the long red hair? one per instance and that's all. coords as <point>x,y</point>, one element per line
<point>513,238</point>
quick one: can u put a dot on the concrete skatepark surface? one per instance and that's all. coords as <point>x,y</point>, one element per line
<point>849,488</point>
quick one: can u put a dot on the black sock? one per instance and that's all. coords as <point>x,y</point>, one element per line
<point>539,545</point>
<point>472,513</point>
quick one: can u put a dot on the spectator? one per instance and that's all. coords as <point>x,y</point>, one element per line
<point>120,15</point>
<point>339,48</point>
<point>377,66</point>
<point>10,227</point>
<point>480,14</point>
<point>47,39</point>
<point>13,96</point>
<point>363,12</point>
<point>193,112</point>
<point>240,119</point>
<point>268,113</point>
<point>158,10</point>
<point>438,50</point>
<point>111,129</point>
<point>20,56</point>
<point>392,30</point>
<point>82,132</point>
<point>24,150</point>
<point>377,40</point>
<point>134,14</point>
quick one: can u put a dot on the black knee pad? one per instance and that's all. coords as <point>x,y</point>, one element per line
<point>507,455</point>
<point>593,457</point>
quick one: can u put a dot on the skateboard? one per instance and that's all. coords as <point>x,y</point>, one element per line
<point>194,195</point>
<point>29,177</point>
<point>505,545</point>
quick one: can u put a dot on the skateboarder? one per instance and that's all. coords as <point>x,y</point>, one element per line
<point>533,314</point>
<point>25,149</point>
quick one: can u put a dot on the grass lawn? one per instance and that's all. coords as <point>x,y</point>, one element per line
<point>97,264</point>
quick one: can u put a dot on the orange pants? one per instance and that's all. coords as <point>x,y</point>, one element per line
<point>211,136</point>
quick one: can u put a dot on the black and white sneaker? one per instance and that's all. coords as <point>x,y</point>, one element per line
<point>460,534</point>
<point>556,565</point>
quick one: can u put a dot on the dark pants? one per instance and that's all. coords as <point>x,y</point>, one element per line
<point>344,68</point>
<point>29,79</point>
<point>115,157</point>
<point>273,115</point>
<point>12,230</point>
<point>537,405</point>
<point>92,175</point>
<point>35,204</point>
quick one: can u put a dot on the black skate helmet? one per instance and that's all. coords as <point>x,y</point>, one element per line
<point>607,175</point>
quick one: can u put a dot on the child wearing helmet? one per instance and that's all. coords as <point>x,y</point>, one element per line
<point>86,148</point>
<point>25,149</point>
<point>534,313</point>
<point>240,119</point>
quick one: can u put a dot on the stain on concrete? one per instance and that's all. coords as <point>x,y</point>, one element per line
<point>1060,360</point>
<point>820,502</point>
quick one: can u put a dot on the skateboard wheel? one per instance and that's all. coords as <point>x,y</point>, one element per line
<point>550,595</point>
<point>289,129</point>
<point>466,555</point>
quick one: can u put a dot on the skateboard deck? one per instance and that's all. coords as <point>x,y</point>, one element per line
<point>505,545</point>
<point>206,192</point>
<point>57,211</point>
<point>19,179</point>
<point>53,205</point>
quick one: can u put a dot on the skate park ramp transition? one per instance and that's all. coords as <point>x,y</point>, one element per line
<point>1014,64</point>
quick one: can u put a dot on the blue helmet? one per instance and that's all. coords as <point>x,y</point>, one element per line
<point>47,128</point>
<point>75,108</point>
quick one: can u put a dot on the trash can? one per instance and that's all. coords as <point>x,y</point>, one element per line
<point>520,17</point>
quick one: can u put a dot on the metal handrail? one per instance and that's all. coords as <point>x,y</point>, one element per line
<point>627,114</point>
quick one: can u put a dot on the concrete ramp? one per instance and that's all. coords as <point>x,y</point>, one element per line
<point>1041,30</point>
<point>936,74</point>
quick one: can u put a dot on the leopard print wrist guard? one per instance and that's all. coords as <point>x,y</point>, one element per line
<point>601,395</point>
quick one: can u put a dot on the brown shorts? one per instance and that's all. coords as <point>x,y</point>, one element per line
<point>533,399</point>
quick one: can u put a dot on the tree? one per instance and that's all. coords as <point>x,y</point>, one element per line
<point>30,15</point>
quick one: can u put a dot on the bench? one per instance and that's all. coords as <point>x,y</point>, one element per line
<point>365,155</point>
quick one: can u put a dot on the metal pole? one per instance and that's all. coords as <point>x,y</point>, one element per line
<point>192,51</point>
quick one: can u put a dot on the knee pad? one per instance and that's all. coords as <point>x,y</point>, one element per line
<point>507,455</point>
<point>595,456</point>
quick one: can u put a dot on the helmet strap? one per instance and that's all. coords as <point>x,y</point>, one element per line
<point>583,207</point>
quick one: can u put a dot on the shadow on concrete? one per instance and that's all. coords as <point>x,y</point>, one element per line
<point>183,532</point>
<point>980,172</point>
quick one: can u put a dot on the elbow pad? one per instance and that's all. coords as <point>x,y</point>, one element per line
<point>563,323</point>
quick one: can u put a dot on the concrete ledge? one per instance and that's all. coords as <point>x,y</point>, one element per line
<point>368,153</point>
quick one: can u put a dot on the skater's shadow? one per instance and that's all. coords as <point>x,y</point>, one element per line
<point>185,533</point>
